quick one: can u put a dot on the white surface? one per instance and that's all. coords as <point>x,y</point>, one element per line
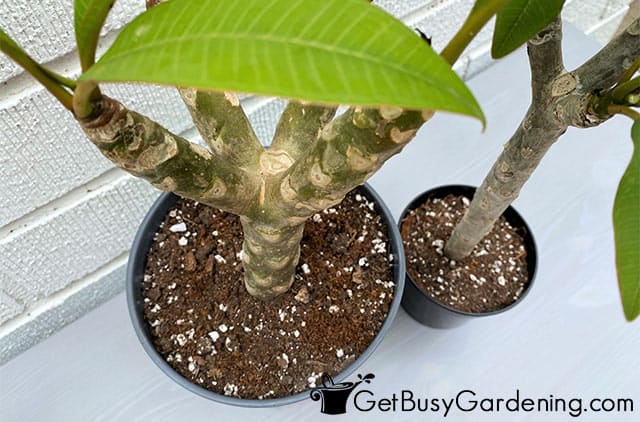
<point>568,338</point>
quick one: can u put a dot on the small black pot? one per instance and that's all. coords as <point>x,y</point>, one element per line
<point>135,275</point>
<point>428,311</point>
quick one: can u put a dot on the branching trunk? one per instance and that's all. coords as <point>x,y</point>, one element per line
<point>560,100</point>
<point>224,126</point>
<point>298,182</point>
<point>145,149</point>
<point>299,126</point>
<point>348,151</point>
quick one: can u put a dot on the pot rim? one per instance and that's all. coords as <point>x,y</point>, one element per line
<point>135,273</point>
<point>520,222</point>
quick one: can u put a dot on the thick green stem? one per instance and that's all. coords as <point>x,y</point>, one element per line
<point>224,126</point>
<point>86,95</point>
<point>269,257</point>
<point>147,150</point>
<point>624,110</point>
<point>620,92</point>
<point>299,126</point>
<point>46,77</point>
<point>349,150</point>
<point>222,123</point>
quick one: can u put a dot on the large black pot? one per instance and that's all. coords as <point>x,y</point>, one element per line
<point>430,312</point>
<point>135,275</point>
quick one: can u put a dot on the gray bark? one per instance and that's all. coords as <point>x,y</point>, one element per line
<point>560,99</point>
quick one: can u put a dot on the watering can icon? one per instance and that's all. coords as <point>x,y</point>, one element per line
<point>334,396</point>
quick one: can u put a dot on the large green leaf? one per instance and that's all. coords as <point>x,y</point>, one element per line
<point>626,226</point>
<point>89,16</point>
<point>520,20</point>
<point>329,51</point>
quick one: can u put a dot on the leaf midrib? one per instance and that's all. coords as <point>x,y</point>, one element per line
<point>509,34</point>
<point>269,38</point>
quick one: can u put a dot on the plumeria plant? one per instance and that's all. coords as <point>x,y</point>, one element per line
<point>319,55</point>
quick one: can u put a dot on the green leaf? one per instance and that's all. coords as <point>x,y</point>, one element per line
<point>626,227</point>
<point>89,16</point>
<point>328,52</point>
<point>519,20</point>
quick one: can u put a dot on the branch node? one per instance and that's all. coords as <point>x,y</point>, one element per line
<point>563,85</point>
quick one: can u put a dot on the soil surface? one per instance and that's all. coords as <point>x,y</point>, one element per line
<point>491,278</point>
<point>214,333</point>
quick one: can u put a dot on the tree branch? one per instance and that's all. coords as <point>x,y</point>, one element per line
<point>349,150</point>
<point>221,122</point>
<point>299,126</point>
<point>606,67</point>
<point>145,149</point>
<point>224,126</point>
<point>545,59</point>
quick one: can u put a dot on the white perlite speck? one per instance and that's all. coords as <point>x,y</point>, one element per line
<point>230,389</point>
<point>181,339</point>
<point>214,335</point>
<point>339,353</point>
<point>183,241</point>
<point>312,379</point>
<point>223,328</point>
<point>334,309</point>
<point>178,228</point>
<point>306,269</point>
<point>220,260</point>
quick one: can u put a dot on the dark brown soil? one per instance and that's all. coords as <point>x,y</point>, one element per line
<point>214,333</point>
<point>491,278</point>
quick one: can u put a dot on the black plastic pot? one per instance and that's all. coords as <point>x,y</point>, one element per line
<point>135,275</point>
<point>430,312</point>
